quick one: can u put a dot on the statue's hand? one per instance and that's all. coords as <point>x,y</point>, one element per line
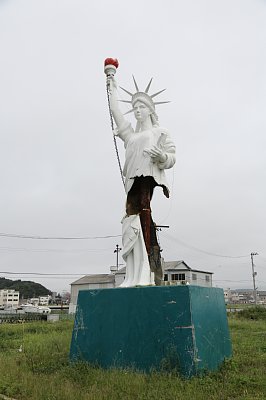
<point>157,155</point>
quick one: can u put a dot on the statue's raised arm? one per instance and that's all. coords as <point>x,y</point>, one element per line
<point>114,103</point>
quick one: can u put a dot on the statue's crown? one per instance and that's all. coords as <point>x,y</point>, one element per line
<point>144,97</point>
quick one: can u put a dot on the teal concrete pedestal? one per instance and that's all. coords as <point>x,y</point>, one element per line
<point>152,328</point>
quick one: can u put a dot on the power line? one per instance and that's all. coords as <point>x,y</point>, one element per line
<point>50,277</point>
<point>40,273</point>
<point>46,250</point>
<point>17,236</point>
<point>37,237</point>
<point>200,250</point>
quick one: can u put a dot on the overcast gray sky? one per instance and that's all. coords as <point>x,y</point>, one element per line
<point>58,169</point>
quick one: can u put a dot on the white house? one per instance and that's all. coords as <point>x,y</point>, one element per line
<point>9,298</point>
<point>178,272</point>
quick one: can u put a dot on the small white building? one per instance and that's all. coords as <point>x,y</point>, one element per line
<point>44,300</point>
<point>9,298</point>
<point>178,272</point>
<point>261,296</point>
<point>227,296</point>
<point>99,281</point>
<point>39,301</point>
<point>34,301</point>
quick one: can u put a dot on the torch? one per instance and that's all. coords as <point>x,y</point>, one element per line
<point>110,66</point>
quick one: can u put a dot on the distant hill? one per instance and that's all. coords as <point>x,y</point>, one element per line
<point>27,289</point>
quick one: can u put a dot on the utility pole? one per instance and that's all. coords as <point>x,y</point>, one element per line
<point>117,249</point>
<point>253,276</point>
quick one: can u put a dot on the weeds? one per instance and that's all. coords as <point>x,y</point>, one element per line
<point>253,313</point>
<point>42,371</point>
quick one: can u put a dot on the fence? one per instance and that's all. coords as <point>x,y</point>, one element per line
<point>18,318</point>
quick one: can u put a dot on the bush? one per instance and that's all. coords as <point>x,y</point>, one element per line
<point>255,313</point>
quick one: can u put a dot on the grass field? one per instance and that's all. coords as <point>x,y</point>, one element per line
<point>34,366</point>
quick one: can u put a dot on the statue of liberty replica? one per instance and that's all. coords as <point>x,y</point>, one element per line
<point>145,325</point>
<point>149,150</point>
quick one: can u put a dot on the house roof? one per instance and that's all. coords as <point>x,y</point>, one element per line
<point>98,278</point>
<point>175,265</point>
<point>181,266</point>
<point>204,272</point>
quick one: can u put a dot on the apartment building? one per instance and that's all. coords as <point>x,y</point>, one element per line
<point>9,298</point>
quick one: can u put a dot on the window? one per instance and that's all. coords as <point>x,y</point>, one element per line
<point>165,277</point>
<point>194,277</point>
<point>178,277</point>
<point>207,278</point>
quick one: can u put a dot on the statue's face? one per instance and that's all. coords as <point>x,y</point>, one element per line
<point>141,111</point>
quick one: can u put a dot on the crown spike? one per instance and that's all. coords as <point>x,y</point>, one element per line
<point>125,101</point>
<point>130,94</point>
<point>156,94</point>
<point>161,102</point>
<point>148,87</point>
<point>135,83</point>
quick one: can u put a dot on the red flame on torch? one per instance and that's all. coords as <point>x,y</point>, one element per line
<point>111,61</point>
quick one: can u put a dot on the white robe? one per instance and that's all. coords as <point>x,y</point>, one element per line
<point>134,252</point>
<point>139,163</point>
